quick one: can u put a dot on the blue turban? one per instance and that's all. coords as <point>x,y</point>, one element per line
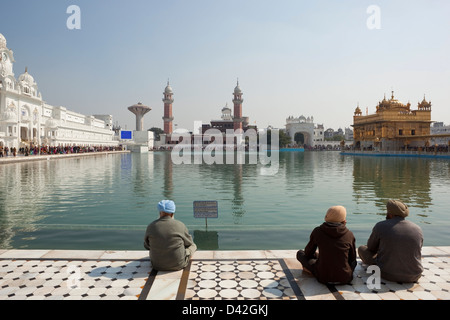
<point>166,206</point>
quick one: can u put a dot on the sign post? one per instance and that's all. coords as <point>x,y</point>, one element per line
<point>206,209</point>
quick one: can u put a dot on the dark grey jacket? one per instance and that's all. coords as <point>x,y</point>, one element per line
<point>170,244</point>
<point>398,244</point>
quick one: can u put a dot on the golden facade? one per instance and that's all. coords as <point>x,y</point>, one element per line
<point>394,126</point>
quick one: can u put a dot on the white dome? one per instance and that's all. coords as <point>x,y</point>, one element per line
<point>168,89</point>
<point>237,90</point>
<point>27,78</point>
<point>226,108</point>
<point>2,42</point>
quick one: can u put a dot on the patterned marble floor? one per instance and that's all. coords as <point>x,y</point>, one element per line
<point>29,277</point>
<point>212,275</point>
<point>260,279</point>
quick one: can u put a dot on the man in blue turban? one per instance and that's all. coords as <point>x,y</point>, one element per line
<point>168,240</point>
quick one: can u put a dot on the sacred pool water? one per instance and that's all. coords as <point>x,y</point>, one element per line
<point>106,202</point>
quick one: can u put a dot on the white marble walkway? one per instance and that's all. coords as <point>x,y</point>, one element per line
<point>212,275</point>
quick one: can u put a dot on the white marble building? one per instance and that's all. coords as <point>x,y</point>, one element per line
<point>312,134</point>
<point>27,120</point>
<point>441,133</point>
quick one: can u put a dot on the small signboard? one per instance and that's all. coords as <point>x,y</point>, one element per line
<point>206,209</point>
<point>126,135</point>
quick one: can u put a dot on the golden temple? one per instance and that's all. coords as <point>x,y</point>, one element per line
<point>393,127</point>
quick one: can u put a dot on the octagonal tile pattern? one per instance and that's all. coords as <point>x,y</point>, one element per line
<point>259,279</point>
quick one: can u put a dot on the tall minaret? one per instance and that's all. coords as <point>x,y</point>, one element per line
<point>237,116</point>
<point>168,100</point>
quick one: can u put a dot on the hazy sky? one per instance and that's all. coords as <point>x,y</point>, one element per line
<point>311,58</point>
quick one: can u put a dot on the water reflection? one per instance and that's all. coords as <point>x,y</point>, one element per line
<point>32,192</point>
<point>379,179</point>
<point>200,180</point>
<point>227,179</point>
<point>238,198</point>
<point>97,199</point>
<point>298,171</point>
<point>206,240</point>
<point>168,178</point>
<point>142,172</point>
<point>14,212</point>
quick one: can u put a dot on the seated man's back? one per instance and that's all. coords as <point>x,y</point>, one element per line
<point>398,243</point>
<point>395,245</point>
<point>168,240</point>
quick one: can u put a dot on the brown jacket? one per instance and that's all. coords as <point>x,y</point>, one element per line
<point>337,253</point>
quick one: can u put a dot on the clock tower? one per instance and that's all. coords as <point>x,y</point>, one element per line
<point>237,101</point>
<point>168,117</point>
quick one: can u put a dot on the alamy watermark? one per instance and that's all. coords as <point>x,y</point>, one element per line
<point>74,277</point>
<point>74,20</point>
<point>374,20</point>
<point>231,147</point>
<point>374,280</point>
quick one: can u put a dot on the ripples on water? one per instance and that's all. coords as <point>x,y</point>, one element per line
<point>107,201</point>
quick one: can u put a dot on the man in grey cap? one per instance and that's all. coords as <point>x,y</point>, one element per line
<point>395,245</point>
<point>168,240</point>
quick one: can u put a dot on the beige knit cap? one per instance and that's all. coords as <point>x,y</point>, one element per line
<point>336,214</point>
<point>397,208</point>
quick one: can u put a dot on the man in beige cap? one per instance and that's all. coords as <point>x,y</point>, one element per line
<point>395,245</point>
<point>336,259</point>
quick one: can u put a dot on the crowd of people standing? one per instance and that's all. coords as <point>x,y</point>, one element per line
<point>49,150</point>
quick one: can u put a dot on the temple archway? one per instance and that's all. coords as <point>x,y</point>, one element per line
<point>305,129</point>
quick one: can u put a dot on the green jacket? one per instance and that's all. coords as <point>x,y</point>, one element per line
<point>170,244</point>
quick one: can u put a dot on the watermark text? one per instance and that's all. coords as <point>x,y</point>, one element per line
<point>74,20</point>
<point>232,147</point>
<point>374,20</point>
